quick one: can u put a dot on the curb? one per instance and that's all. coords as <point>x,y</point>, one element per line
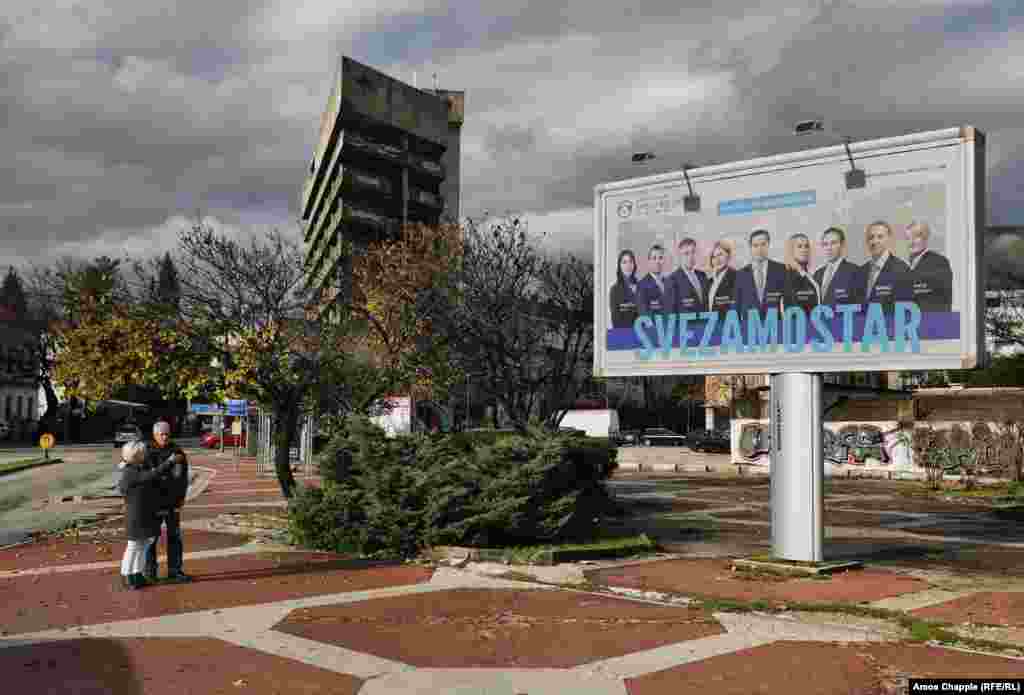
<point>33,464</point>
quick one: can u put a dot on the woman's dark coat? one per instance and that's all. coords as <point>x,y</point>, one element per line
<point>624,305</point>
<point>141,500</point>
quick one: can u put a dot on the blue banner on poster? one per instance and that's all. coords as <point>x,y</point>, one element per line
<point>205,409</point>
<point>238,408</point>
<point>745,206</point>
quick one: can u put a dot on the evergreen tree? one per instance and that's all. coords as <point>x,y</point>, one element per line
<point>168,289</point>
<point>12,294</point>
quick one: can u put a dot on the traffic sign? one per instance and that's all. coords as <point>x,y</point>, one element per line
<point>47,441</point>
<point>238,408</point>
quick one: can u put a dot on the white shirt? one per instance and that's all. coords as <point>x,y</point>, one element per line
<point>876,270</point>
<point>915,259</point>
<point>714,286</point>
<point>830,272</point>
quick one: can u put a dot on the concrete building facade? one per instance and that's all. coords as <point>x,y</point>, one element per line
<point>387,155</point>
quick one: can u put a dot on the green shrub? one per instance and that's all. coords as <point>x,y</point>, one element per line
<point>395,496</point>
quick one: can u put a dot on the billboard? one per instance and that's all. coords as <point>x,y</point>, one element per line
<point>785,269</point>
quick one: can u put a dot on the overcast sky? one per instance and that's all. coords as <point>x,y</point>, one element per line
<point>121,119</point>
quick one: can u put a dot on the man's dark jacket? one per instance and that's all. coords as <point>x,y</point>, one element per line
<point>173,486</point>
<point>932,281</point>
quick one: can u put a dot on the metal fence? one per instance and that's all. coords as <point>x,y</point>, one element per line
<point>262,428</point>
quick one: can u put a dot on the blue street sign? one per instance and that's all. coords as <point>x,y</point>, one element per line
<point>238,408</point>
<point>205,409</point>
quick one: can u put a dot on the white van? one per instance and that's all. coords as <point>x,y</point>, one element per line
<point>596,423</point>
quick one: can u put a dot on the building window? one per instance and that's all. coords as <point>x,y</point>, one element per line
<point>19,406</point>
<point>7,408</point>
<point>31,413</point>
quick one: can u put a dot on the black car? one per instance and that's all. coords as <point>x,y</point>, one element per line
<point>660,436</point>
<point>626,437</point>
<point>709,441</point>
<point>127,432</point>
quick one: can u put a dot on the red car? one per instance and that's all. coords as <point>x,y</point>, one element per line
<point>211,440</point>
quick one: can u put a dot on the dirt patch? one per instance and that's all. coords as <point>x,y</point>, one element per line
<point>106,545</point>
<point>1001,608</point>
<point>61,600</point>
<point>499,628</point>
<point>162,666</point>
<point>716,579</point>
<point>835,669</point>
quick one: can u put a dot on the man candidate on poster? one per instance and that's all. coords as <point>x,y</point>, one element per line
<point>930,274</point>
<point>761,283</point>
<point>690,285</point>
<point>656,294</point>
<point>887,278</point>
<point>839,279</point>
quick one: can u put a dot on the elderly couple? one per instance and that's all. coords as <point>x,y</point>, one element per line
<point>154,482</point>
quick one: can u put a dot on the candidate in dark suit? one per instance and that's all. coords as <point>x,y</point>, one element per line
<point>887,278</point>
<point>931,277</point>
<point>656,294</point>
<point>689,284</point>
<point>623,296</point>
<point>760,284</point>
<point>802,289</point>
<point>839,280</point>
<point>721,294</point>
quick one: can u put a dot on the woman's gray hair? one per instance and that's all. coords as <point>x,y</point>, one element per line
<point>134,452</point>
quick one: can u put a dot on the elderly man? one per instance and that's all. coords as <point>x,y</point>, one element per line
<point>173,487</point>
<point>887,278</point>
<point>839,279</point>
<point>930,273</point>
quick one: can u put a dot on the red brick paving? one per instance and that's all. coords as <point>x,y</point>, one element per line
<point>715,579</point>
<point>54,551</point>
<point>198,512</point>
<point>989,607</point>
<point>162,666</point>
<point>40,602</point>
<point>499,628</point>
<point>817,668</point>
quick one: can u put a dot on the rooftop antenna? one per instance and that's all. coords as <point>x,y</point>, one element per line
<point>435,82</point>
<point>414,79</point>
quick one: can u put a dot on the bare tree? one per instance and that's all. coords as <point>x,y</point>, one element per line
<point>522,322</point>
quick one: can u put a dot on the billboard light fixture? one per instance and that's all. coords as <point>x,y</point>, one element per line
<point>691,203</point>
<point>855,178</point>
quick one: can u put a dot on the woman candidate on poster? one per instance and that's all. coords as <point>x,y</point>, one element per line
<point>801,288</point>
<point>721,278</point>
<point>623,300</point>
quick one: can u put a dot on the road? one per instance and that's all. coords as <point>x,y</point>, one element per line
<point>86,469</point>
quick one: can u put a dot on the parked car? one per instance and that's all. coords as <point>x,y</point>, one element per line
<point>596,423</point>
<point>572,431</point>
<point>626,437</point>
<point>126,432</point>
<point>212,440</point>
<point>709,441</point>
<point>660,436</point>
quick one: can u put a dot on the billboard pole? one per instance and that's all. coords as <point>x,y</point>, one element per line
<point>797,467</point>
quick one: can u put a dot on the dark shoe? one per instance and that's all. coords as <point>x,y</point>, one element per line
<point>178,578</point>
<point>150,578</point>
<point>138,581</point>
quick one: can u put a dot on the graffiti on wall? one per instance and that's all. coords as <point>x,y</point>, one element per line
<point>852,444</point>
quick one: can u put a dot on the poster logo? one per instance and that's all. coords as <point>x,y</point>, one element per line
<point>625,208</point>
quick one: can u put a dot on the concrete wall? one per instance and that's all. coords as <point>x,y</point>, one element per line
<point>873,437</point>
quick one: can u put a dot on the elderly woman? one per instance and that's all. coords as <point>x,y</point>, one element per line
<point>801,288</point>
<point>142,499</point>
<point>721,278</point>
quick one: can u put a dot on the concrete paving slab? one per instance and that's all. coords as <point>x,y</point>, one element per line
<point>492,682</point>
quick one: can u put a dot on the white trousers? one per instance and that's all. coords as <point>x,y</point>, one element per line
<point>134,559</point>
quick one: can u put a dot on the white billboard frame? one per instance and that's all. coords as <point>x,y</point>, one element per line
<point>964,201</point>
